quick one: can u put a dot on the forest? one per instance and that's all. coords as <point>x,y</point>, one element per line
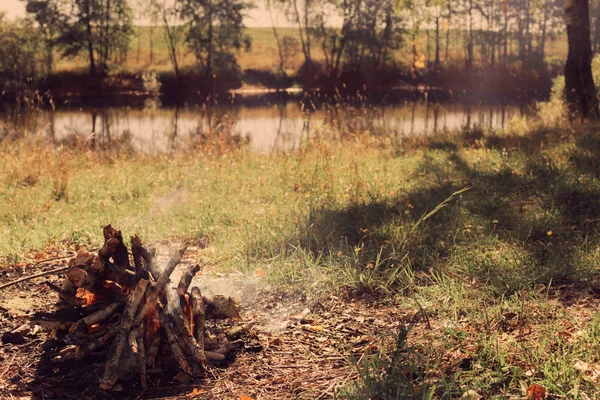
<point>88,46</point>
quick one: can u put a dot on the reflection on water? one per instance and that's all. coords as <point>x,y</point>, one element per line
<point>267,128</point>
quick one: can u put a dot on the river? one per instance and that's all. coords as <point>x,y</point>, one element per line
<point>264,128</point>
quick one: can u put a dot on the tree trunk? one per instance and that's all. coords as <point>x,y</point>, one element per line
<point>437,43</point>
<point>448,30</point>
<point>277,39</point>
<point>171,44</point>
<point>527,44</point>
<point>505,42</point>
<point>106,39</point>
<point>470,37</point>
<point>428,47</point>
<point>580,89</point>
<point>597,34</point>
<point>90,41</point>
<point>210,47</point>
<point>543,34</point>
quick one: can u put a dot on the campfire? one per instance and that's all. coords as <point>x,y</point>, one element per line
<point>128,310</point>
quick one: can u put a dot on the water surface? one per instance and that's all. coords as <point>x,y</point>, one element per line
<point>270,127</point>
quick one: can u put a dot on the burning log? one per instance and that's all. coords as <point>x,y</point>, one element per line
<point>176,350</point>
<point>143,259</point>
<point>160,286</point>
<point>65,296</point>
<point>111,373</point>
<point>131,309</point>
<point>92,346</point>
<point>182,327</point>
<point>153,352</point>
<point>186,279</point>
<point>199,315</point>
<point>115,248</point>
<point>94,318</point>
<point>142,361</point>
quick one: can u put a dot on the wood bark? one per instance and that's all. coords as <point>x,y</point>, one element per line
<point>142,361</point>
<point>143,259</point>
<point>111,372</point>
<point>176,350</point>
<point>186,279</point>
<point>92,346</point>
<point>65,296</point>
<point>160,286</point>
<point>199,315</point>
<point>183,327</point>
<point>580,90</point>
<point>94,318</point>
<point>153,352</point>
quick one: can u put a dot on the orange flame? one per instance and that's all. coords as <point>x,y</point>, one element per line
<point>111,285</point>
<point>152,323</point>
<point>86,295</point>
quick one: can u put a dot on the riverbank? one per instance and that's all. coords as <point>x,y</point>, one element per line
<point>479,85</point>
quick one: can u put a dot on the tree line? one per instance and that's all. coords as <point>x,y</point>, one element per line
<point>336,37</point>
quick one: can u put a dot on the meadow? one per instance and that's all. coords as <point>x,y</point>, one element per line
<point>491,236</point>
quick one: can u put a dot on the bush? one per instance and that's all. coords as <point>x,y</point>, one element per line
<point>21,61</point>
<point>268,79</point>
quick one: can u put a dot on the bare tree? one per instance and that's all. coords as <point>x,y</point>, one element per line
<point>174,33</point>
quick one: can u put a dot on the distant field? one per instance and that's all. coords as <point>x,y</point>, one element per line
<point>148,51</point>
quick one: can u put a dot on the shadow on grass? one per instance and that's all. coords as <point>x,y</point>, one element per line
<point>530,219</point>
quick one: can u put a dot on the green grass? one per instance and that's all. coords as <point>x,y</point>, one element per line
<point>499,279</point>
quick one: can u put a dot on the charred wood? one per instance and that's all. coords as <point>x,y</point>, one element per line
<point>111,372</point>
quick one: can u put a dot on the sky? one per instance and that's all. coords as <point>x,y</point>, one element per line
<point>258,17</point>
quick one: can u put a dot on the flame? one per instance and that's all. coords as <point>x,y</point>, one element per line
<point>152,323</point>
<point>86,295</point>
<point>111,285</point>
<point>94,328</point>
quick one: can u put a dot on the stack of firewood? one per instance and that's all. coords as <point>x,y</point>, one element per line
<point>131,309</point>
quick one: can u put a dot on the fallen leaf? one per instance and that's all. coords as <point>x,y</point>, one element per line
<point>470,395</point>
<point>590,372</point>
<point>509,316</point>
<point>581,366</point>
<point>246,398</point>
<point>315,328</point>
<point>261,273</point>
<point>194,393</point>
<point>536,392</point>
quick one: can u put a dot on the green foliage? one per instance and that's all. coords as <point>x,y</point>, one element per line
<point>100,29</point>
<point>375,35</point>
<point>215,31</point>
<point>21,63</point>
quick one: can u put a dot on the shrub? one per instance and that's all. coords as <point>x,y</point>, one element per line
<point>21,63</point>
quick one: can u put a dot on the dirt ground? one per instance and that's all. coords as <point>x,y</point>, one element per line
<point>297,348</point>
